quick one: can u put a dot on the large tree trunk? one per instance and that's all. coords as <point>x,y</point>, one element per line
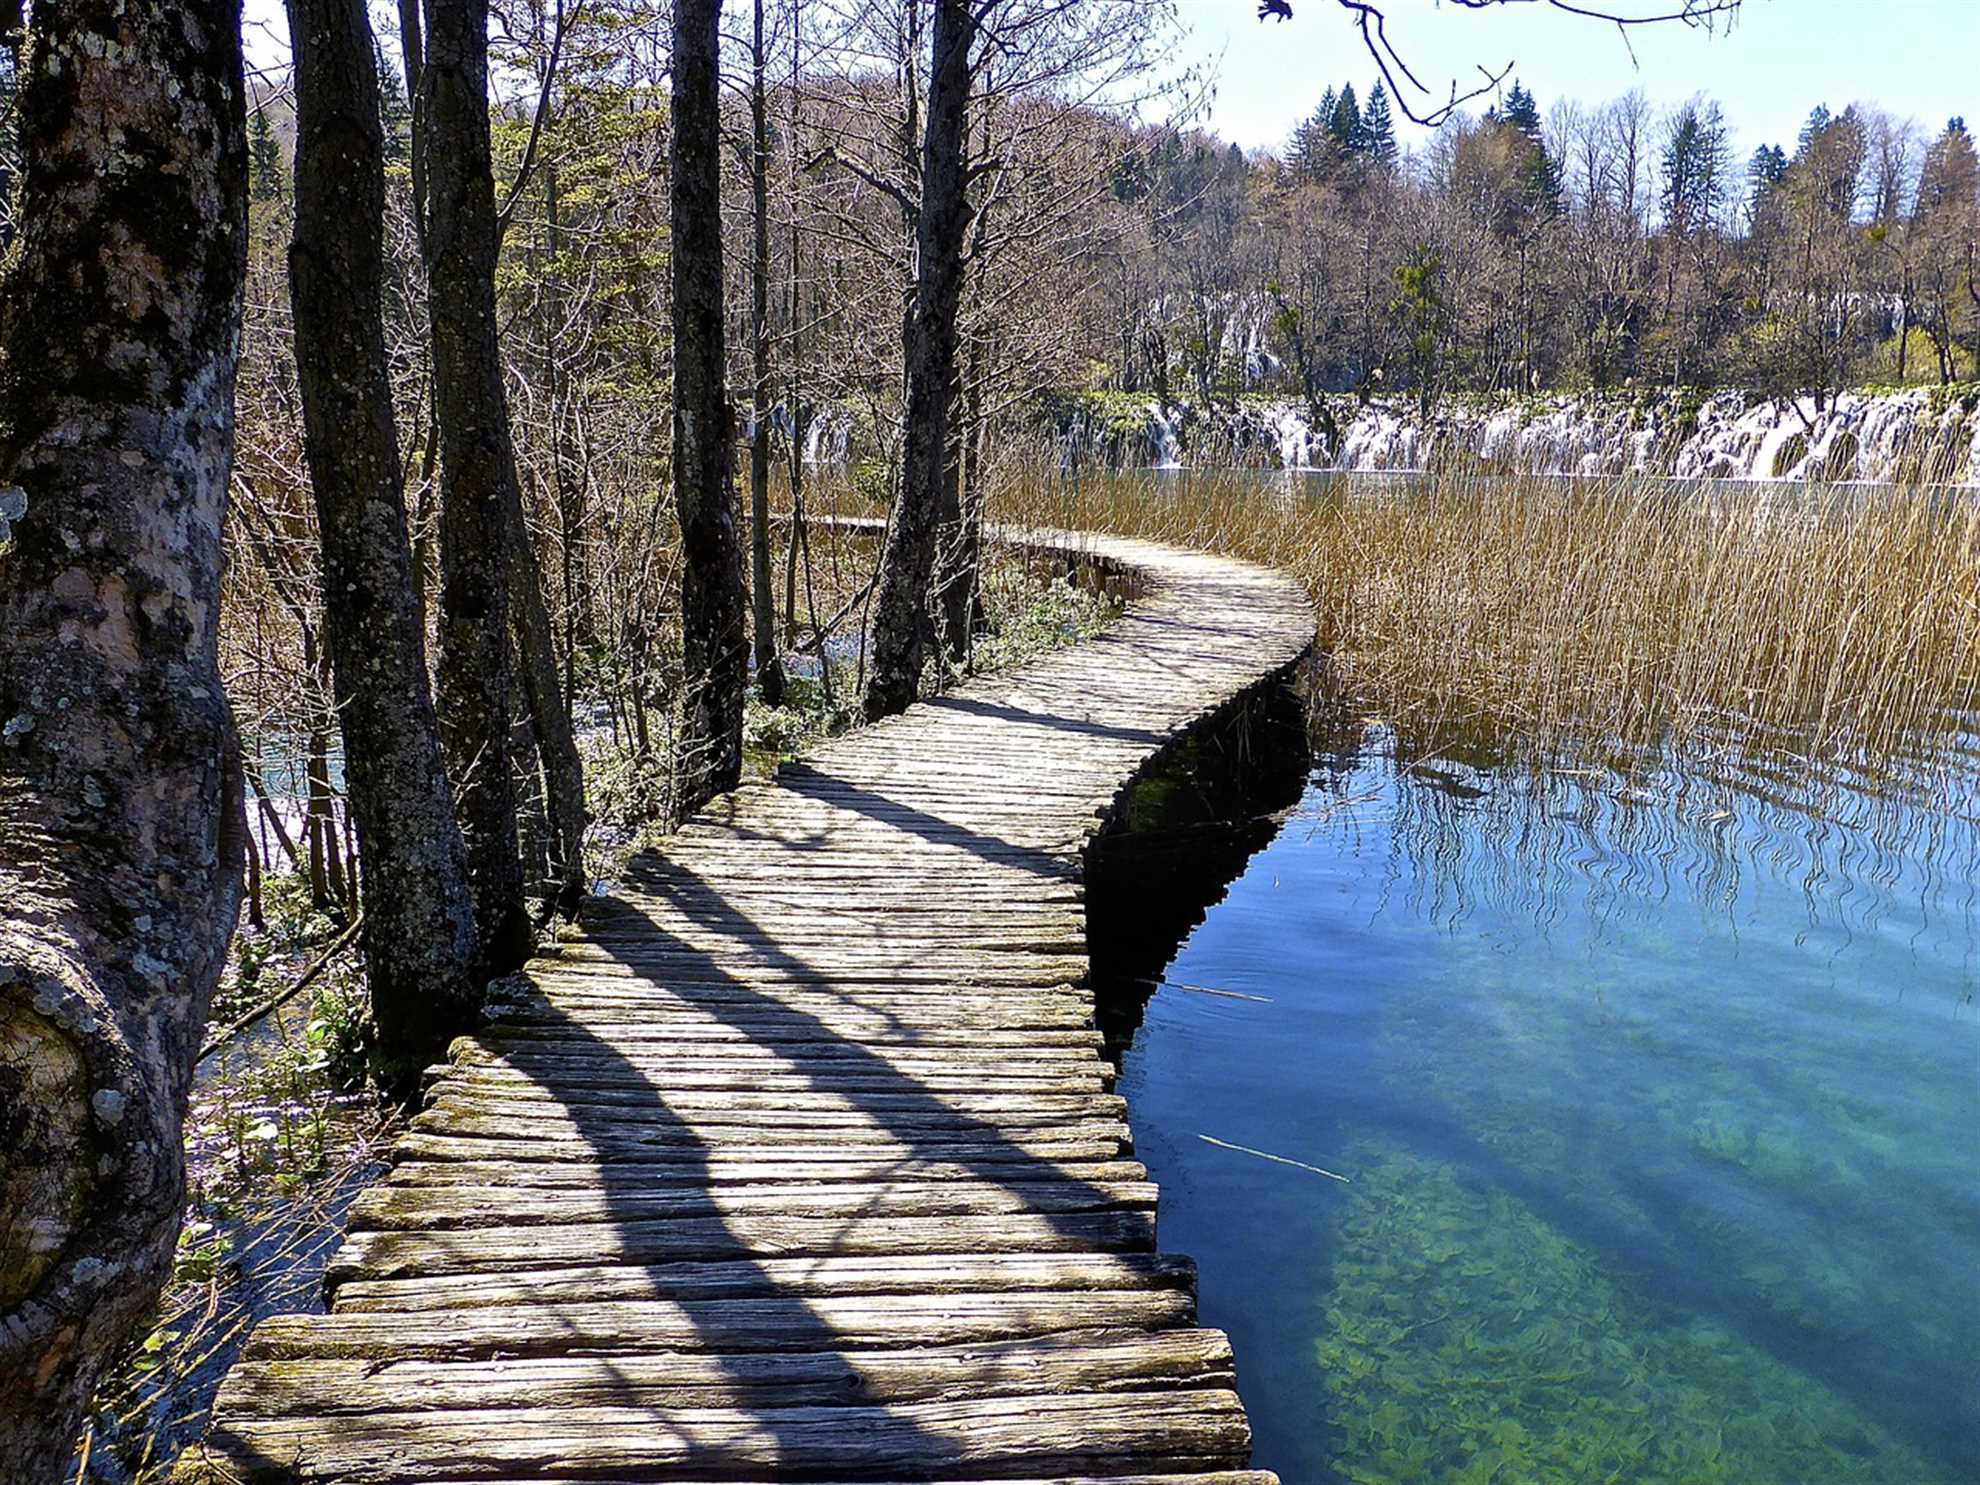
<point>763,599</point>
<point>900,611</point>
<point>477,472</point>
<point>714,645</point>
<point>120,849</point>
<point>419,935</point>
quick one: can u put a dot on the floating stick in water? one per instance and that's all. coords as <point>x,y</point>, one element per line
<point>1276,1159</point>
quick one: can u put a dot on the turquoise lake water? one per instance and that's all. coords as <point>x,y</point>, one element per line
<point>1659,1109</point>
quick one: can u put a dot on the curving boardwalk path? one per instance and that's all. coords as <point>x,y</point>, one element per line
<point>801,1164</point>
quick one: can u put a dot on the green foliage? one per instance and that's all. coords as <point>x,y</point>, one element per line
<point>265,172</point>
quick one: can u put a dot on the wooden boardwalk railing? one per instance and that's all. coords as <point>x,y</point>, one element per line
<point>801,1165</point>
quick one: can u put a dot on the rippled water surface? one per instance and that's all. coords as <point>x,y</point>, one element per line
<point>1657,1107</point>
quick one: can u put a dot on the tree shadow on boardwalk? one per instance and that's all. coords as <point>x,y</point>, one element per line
<point>674,1282</point>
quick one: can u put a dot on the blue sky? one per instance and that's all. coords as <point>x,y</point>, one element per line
<point>1781,57</point>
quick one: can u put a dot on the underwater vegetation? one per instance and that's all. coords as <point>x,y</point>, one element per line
<point>1469,1341</point>
<point>1656,1092</point>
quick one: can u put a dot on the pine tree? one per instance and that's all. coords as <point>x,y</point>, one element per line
<point>1765,169</point>
<point>1345,125</point>
<point>1523,113</point>
<point>1695,166</point>
<point>1379,130</point>
<point>1313,152</point>
<point>1819,119</point>
<point>264,157</point>
<point>1539,172</point>
<point>394,110</point>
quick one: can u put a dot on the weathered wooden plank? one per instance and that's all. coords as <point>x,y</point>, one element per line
<point>434,1208</point>
<point>576,1057</point>
<point>603,1175</point>
<point>819,1322</point>
<point>814,1105</point>
<point>733,1161</point>
<point>1189,1430</point>
<point>613,1133</point>
<point>917,1273</point>
<point>1109,1361</point>
<point>386,1255</point>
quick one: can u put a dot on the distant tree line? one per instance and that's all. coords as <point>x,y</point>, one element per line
<point>1602,247</point>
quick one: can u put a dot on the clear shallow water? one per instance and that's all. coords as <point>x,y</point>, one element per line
<point>1659,1112</point>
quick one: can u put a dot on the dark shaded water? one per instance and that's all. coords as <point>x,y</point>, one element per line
<point>1657,1106</point>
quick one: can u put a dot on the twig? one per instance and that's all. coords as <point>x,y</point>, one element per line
<point>1275,1159</point>
<point>1202,989</point>
<point>275,1002</point>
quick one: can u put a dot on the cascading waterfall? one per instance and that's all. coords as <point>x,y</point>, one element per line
<point>1882,437</point>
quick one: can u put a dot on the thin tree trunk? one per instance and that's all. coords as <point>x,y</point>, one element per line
<point>550,720</point>
<point>714,642</point>
<point>477,472</point>
<point>900,618</point>
<point>763,600</point>
<point>120,851</point>
<point>419,934</point>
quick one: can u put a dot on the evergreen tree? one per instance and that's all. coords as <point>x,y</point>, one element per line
<point>1379,130</point>
<point>394,110</point>
<point>1345,125</point>
<point>264,157</point>
<point>1539,172</point>
<point>1314,151</point>
<point>1695,165</point>
<point>1522,113</point>
<point>1819,119</point>
<point>1950,177</point>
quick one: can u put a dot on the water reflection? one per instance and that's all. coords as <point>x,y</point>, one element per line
<point>1657,1091</point>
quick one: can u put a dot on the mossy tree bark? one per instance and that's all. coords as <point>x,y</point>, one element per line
<point>714,638</point>
<point>120,844</point>
<point>899,641</point>
<point>477,471</point>
<point>419,929</point>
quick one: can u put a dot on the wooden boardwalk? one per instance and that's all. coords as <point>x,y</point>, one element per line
<point>802,1164</point>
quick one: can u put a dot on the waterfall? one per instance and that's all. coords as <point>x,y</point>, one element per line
<point>829,438</point>
<point>1162,440</point>
<point>1878,437</point>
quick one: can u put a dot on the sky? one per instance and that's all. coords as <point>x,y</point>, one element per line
<point>1781,57</point>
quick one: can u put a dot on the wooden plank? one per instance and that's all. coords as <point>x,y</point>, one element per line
<point>388,1255</point>
<point>917,1273</point>
<point>847,1159</point>
<point>1112,1361</point>
<point>439,1207</point>
<point>590,1173</point>
<point>818,1322</point>
<point>614,1134</point>
<point>1195,1429</point>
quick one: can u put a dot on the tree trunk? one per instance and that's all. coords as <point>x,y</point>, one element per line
<point>714,645</point>
<point>477,472</point>
<point>900,618</point>
<point>120,849</point>
<point>419,935</point>
<point>763,598</point>
<point>550,719</point>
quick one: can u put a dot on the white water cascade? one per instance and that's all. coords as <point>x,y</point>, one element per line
<point>1883,437</point>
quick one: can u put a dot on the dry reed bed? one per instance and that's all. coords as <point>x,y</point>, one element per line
<point>1619,619</point>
